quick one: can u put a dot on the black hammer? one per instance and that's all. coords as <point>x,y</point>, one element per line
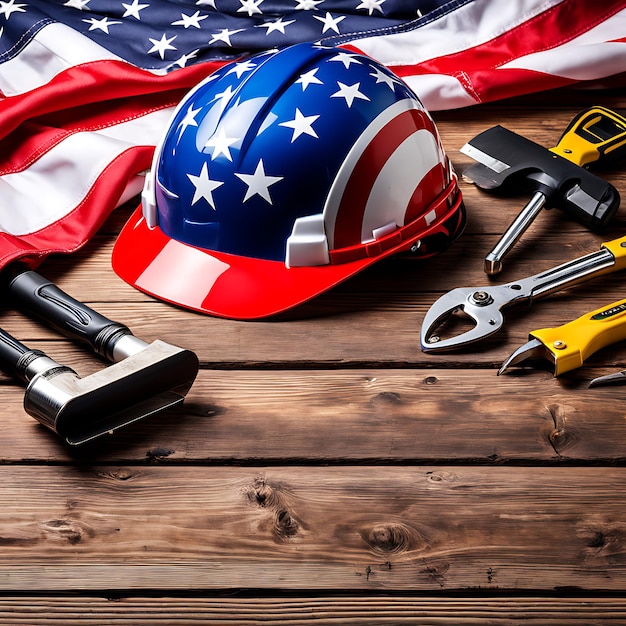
<point>144,378</point>
<point>557,176</point>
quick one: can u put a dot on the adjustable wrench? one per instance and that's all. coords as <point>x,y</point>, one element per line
<point>484,305</point>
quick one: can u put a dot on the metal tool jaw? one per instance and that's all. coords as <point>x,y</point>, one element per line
<point>484,305</point>
<point>481,305</point>
<point>556,355</point>
<point>618,378</point>
<point>532,351</point>
<point>558,359</point>
<point>567,346</point>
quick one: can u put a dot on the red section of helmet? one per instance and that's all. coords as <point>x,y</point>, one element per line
<point>247,288</point>
<point>377,153</point>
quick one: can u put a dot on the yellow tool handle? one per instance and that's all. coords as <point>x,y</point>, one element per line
<point>617,247</point>
<point>572,343</point>
<point>595,134</point>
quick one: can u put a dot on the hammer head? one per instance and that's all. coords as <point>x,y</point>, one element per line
<point>80,409</point>
<point>509,162</point>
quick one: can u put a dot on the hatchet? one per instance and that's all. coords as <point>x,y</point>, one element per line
<point>557,176</point>
<point>144,378</point>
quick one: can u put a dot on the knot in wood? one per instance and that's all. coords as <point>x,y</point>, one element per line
<point>122,474</point>
<point>262,494</point>
<point>562,439</point>
<point>391,538</point>
<point>388,397</point>
<point>441,476</point>
<point>159,453</point>
<point>285,524</point>
<point>65,530</point>
<point>596,539</point>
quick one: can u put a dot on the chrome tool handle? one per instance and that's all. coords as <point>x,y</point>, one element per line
<point>568,274</point>
<point>493,260</point>
<point>21,362</point>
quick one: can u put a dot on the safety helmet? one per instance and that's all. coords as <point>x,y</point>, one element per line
<point>282,175</point>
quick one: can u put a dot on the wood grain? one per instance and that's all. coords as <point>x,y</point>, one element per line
<point>186,528</point>
<point>290,611</point>
<point>323,468</point>
<point>338,416</point>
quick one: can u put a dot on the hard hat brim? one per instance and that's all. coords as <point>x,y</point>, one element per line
<point>217,283</point>
<point>245,288</point>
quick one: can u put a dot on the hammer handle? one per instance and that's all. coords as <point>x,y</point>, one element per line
<point>36,295</point>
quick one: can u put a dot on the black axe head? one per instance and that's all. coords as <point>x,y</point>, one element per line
<point>508,162</point>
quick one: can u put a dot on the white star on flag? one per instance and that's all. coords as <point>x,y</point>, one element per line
<point>301,124</point>
<point>250,6</point>
<point>133,9</point>
<point>204,186</point>
<point>182,61</point>
<point>276,25</point>
<point>8,8</point>
<point>101,24</point>
<point>307,5</point>
<point>161,45</point>
<point>371,6</point>
<point>224,35</point>
<point>259,183</point>
<point>80,5</point>
<point>330,22</point>
<point>349,92</point>
<point>190,20</point>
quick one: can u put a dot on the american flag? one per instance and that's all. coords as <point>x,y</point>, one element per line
<point>88,86</point>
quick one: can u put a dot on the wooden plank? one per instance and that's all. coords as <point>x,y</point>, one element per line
<point>323,455</point>
<point>375,415</point>
<point>461,611</point>
<point>374,319</point>
<point>215,528</point>
<point>374,334</point>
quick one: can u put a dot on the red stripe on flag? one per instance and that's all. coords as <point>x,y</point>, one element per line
<point>550,29</point>
<point>478,67</point>
<point>102,93</point>
<point>72,231</point>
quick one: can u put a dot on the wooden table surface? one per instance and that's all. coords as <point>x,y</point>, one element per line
<point>322,467</point>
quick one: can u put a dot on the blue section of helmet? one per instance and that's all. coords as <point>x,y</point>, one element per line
<point>260,143</point>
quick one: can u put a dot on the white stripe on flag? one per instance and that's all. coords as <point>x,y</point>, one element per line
<point>57,182</point>
<point>439,92</point>
<point>468,26</point>
<point>54,48</point>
